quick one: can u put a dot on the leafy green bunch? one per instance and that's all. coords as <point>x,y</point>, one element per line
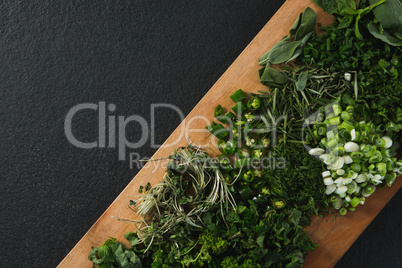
<point>385,22</point>
<point>250,237</point>
<point>372,64</point>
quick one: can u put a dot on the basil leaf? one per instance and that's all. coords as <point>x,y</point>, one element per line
<point>383,35</point>
<point>389,13</point>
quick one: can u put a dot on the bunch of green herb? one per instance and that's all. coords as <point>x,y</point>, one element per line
<point>307,88</point>
<point>250,237</point>
<point>359,154</point>
<point>373,66</point>
<point>192,185</point>
<point>291,46</point>
<point>283,174</point>
<point>192,216</point>
<point>112,254</point>
<point>300,182</point>
<point>282,111</point>
<point>382,18</point>
<point>288,48</point>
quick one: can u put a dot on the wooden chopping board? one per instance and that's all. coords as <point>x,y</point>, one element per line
<point>334,237</point>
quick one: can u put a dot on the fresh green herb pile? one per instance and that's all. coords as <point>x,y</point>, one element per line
<point>284,175</point>
<point>350,45</point>
<point>188,230</point>
<point>322,138</point>
<point>359,155</point>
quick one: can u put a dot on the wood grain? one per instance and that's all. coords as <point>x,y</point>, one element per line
<point>334,237</point>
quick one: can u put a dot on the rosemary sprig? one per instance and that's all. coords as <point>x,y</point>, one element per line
<point>191,186</point>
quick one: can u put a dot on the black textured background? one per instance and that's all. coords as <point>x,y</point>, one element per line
<point>57,54</point>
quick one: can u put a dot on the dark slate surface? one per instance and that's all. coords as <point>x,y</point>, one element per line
<point>58,54</point>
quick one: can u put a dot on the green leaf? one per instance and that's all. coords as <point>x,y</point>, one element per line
<point>106,253</point>
<point>264,59</point>
<point>260,240</point>
<point>345,22</point>
<point>387,37</point>
<point>121,258</point>
<point>94,258</point>
<point>357,31</point>
<point>346,7</point>
<point>299,49</point>
<point>307,25</point>
<point>295,216</point>
<point>240,209</point>
<point>295,25</point>
<point>132,238</point>
<point>329,6</point>
<point>283,53</point>
<point>384,64</point>
<point>271,75</point>
<point>302,81</point>
<point>134,259</point>
<point>285,50</point>
<point>389,13</point>
<point>273,258</point>
<point>341,7</point>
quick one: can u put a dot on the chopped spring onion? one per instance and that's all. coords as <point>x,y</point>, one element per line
<point>368,190</point>
<point>355,201</point>
<point>343,211</point>
<point>330,189</point>
<point>361,178</point>
<point>347,76</point>
<point>352,174</point>
<point>388,142</point>
<point>337,164</point>
<point>353,134</point>
<point>336,202</point>
<point>351,188</point>
<point>328,181</point>
<point>316,151</point>
<point>377,179</point>
<point>347,159</point>
<point>326,174</point>
<point>339,181</point>
<point>341,189</point>
<point>380,142</point>
<point>340,172</point>
<point>346,181</point>
<point>355,167</point>
<point>351,147</point>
